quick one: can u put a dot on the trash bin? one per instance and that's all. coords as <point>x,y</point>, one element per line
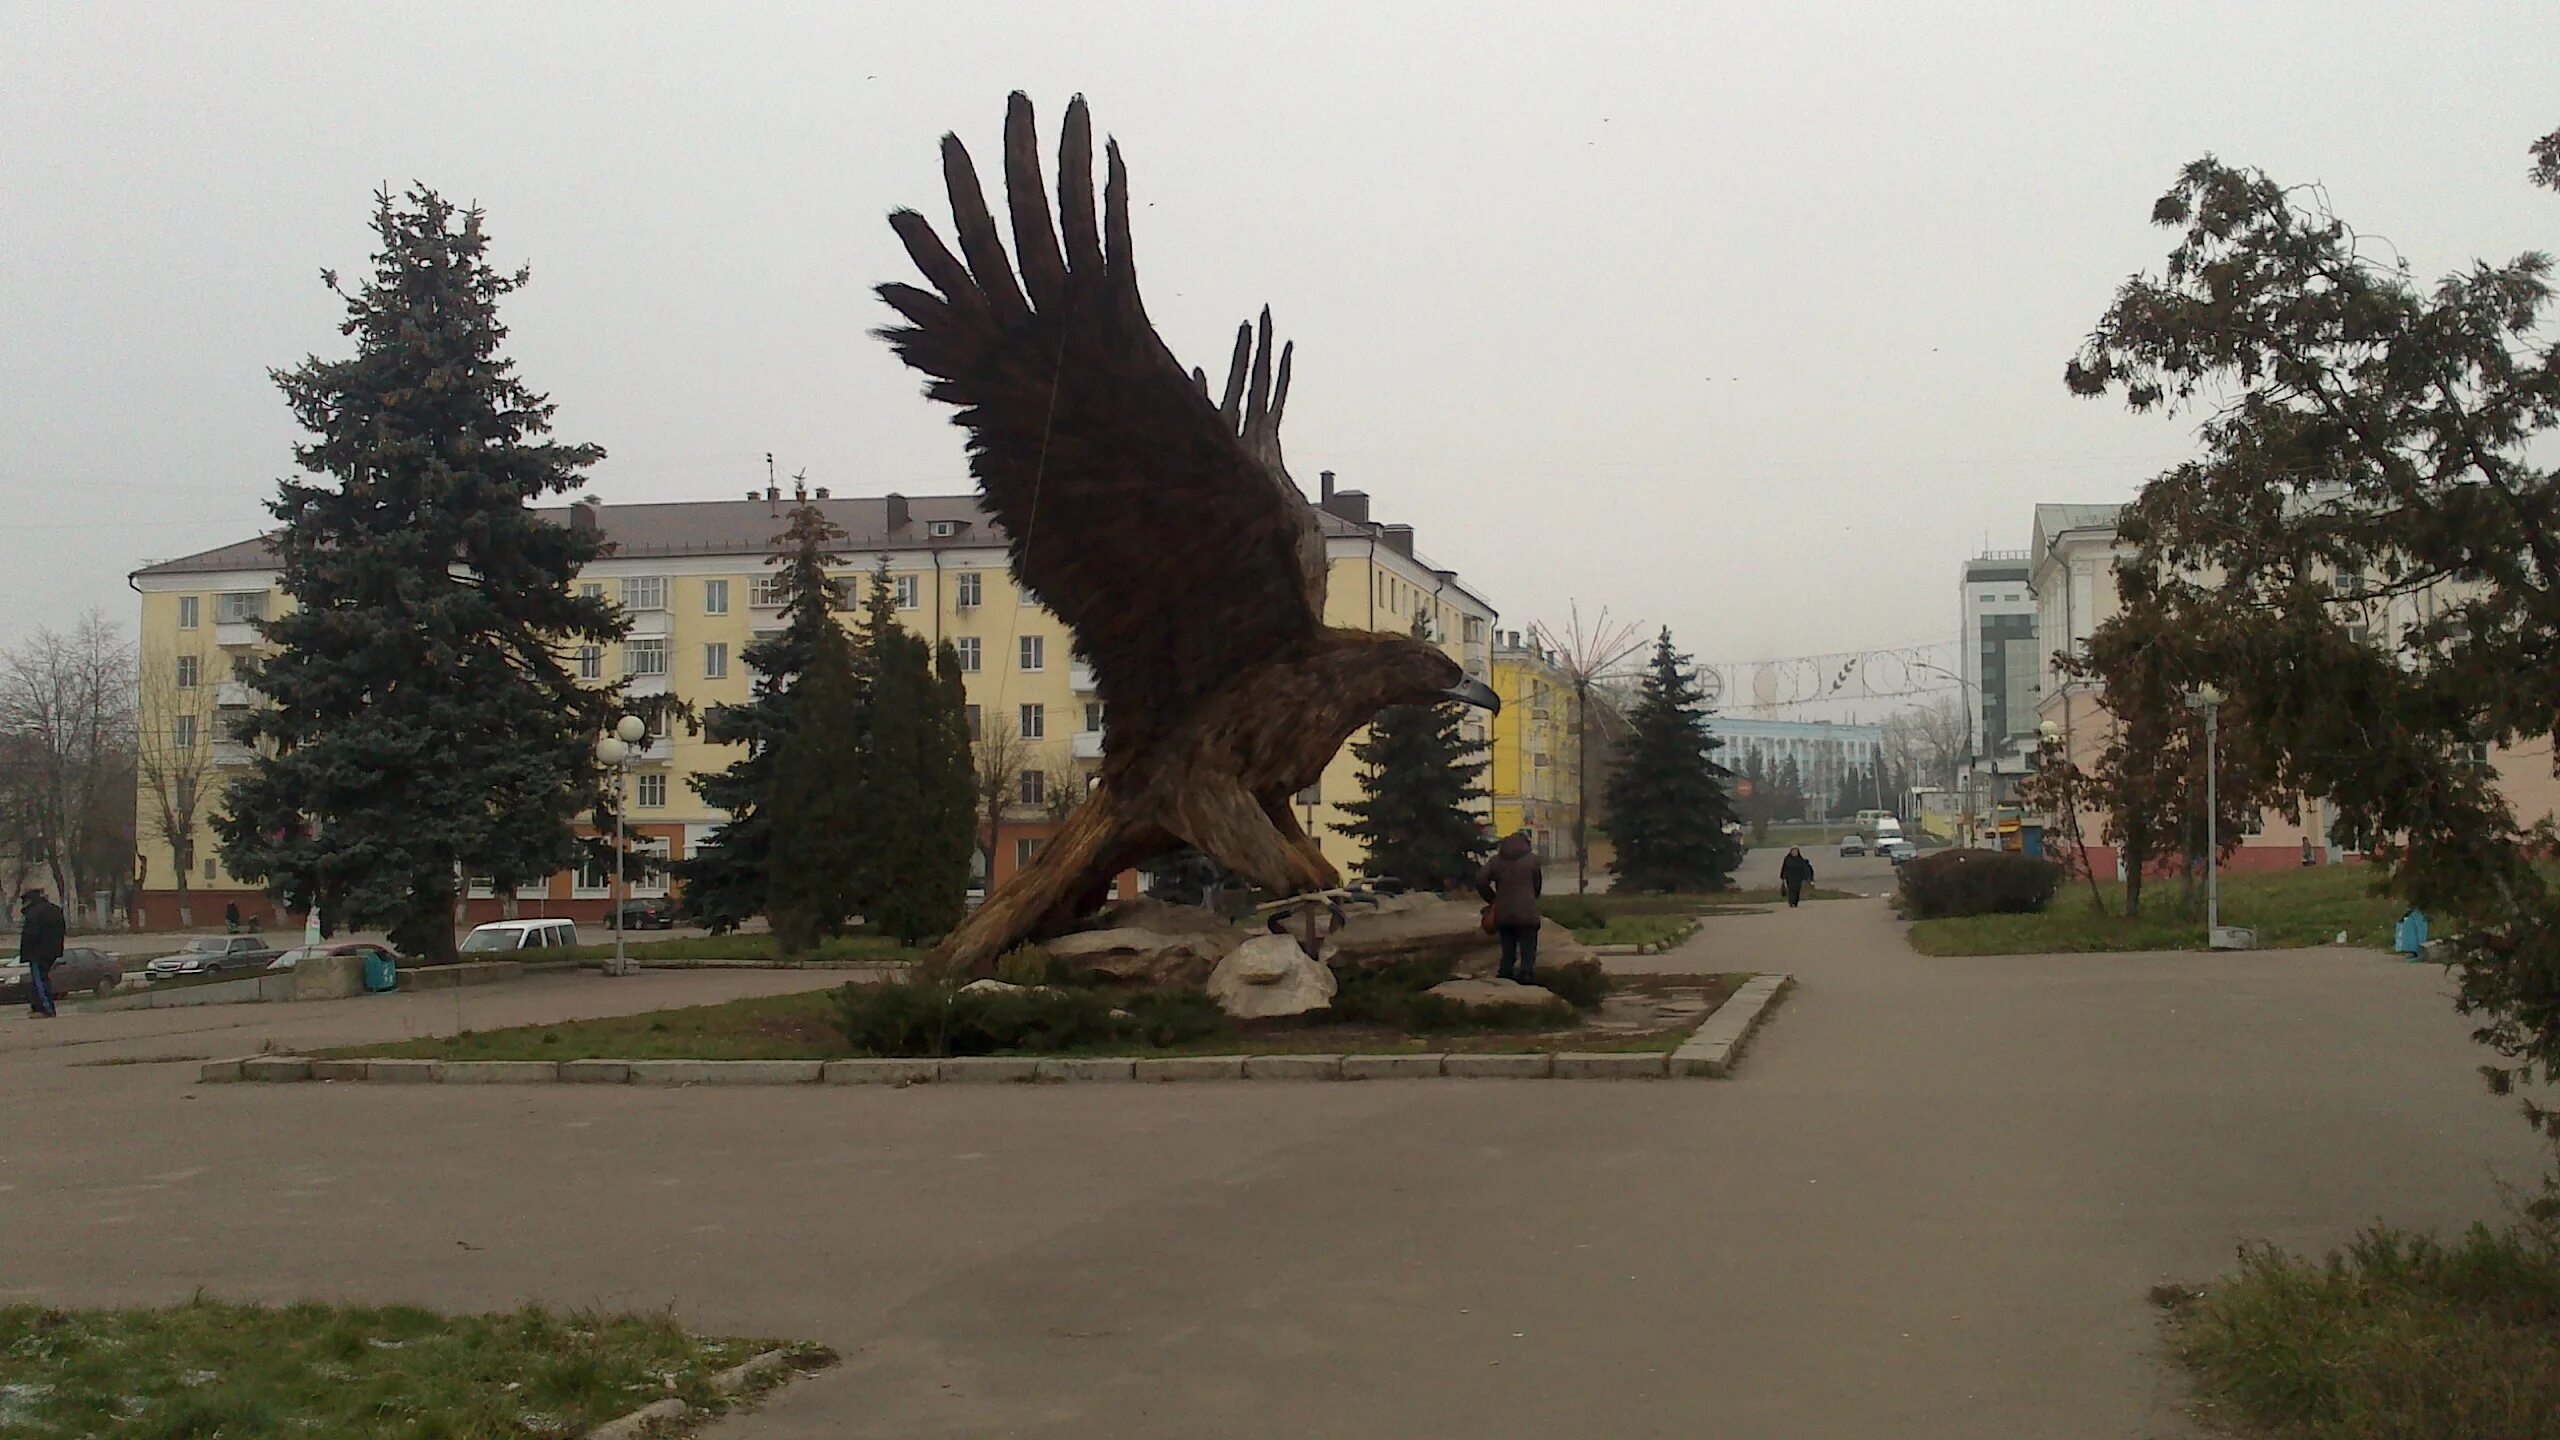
<point>2410,937</point>
<point>380,973</point>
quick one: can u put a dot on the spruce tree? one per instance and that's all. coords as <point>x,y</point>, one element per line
<point>421,721</point>
<point>1419,818</point>
<point>1668,809</point>
<point>725,880</point>
<point>817,849</point>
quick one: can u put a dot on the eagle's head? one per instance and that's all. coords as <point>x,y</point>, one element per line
<point>1379,670</point>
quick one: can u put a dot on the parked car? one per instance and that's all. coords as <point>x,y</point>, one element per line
<point>78,971</point>
<point>641,915</point>
<point>506,937</point>
<point>290,958</point>
<point>211,955</point>
<point>1852,846</point>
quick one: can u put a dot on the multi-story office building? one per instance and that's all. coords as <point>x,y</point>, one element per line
<point>694,578</point>
<point>2003,672</point>
<point>1532,772</point>
<point>1829,759</point>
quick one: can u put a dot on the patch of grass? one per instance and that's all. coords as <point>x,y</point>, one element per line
<point>209,1368</point>
<point>798,1026</point>
<point>731,947</point>
<point>2396,1337</point>
<point>2289,909</point>
<point>1638,930</point>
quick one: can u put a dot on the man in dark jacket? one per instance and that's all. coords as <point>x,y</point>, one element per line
<point>1794,873</point>
<point>1511,883</point>
<point>39,945</point>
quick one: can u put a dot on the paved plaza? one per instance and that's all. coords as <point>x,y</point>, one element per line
<point>1929,1206</point>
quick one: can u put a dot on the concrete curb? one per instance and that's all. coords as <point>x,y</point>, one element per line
<point>1712,1050</point>
<point>1717,1046</point>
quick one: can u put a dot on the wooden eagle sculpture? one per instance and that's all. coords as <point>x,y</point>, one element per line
<point>1161,526</point>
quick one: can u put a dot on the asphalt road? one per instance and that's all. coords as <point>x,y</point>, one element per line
<point>1929,1207</point>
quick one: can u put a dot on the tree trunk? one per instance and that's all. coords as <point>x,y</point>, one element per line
<point>2137,856</point>
<point>427,930</point>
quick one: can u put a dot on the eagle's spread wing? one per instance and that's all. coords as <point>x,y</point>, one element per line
<point>1160,526</point>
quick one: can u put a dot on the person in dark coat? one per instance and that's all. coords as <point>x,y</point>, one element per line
<point>1511,883</point>
<point>1794,873</point>
<point>40,936</point>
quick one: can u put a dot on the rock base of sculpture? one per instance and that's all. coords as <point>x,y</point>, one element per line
<point>1149,942</point>
<point>1269,976</point>
<point>1409,927</point>
<point>1491,994</point>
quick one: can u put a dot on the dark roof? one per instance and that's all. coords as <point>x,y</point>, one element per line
<point>729,527</point>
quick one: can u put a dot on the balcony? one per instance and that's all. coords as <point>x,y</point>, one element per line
<point>653,750</point>
<point>1086,745</point>
<point>233,634</point>
<point>1080,678</point>
<point>651,624</point>
<point>234,695</point>
<point>641,685</point>
<point>231,754</point>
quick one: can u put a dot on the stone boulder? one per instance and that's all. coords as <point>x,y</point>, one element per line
<point>1148,942</point>
<point>1269,976</point>
<point>1488,994</point>
<point>1556,946</point>
<point>1406,927</point>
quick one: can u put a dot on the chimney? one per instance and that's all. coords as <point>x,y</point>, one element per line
<point>897,513</point>
<point>822,492</point>
<point>585,513</point>
<point>1351,505</point>
<point>1324,479</point>
<point>1399,538</point>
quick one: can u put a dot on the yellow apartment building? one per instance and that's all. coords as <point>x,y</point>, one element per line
<point>693,579</point>
<point>1532,765</point>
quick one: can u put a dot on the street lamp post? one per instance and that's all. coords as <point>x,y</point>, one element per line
<point>2208,698</point>
<point>615,750</point>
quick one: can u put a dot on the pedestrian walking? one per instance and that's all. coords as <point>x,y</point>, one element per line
<point>1511,883</point>
<point>39,945</point>
<point>231,918</point>
<point>1794,873</point>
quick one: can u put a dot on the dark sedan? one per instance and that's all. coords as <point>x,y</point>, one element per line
<point>77,972</point>
<point>641,915</point>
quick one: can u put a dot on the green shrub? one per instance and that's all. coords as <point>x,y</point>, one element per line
<point>1165,1018</point>
<point>898,1017</point>
<point>1027,965</point>
<point>1977,882</point>
<point>1574,912</point>
<point>931,1017</point>
<point>1579,983</point>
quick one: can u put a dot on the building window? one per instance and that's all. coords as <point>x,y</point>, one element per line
<point>239,605</point>
<point>1035,722</point>
<point>1026,851</point>
<point>1035,652</point>
<point>590,589</point>
<point>653,792</point>
<point>1093,714</point>
<point>969,651</point>
<point>971,713</point>
<point>715,662</point>
<point>644,592</point>
<point>182,732</point>
<point>590,662</point>
<point>904,586</point>
<point>715,597</point>
<point>594,876</point>
<point>209,871</point>
<point>971,592</point>
<point>189,608</point>
<point>188,668</point>
<point>942,529</point>
<point>1033,789</point>
<point>644,657</point>
<point>764,593</point>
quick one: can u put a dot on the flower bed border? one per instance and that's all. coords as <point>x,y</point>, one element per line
<point>1712,1051</point>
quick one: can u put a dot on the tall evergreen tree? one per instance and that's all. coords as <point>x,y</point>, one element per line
<point>915,873</point>
<point>817,848</point>
<point>725,881</point>
<point>1424,780</point>
<point>421,722</point>
<point>1668,809</point>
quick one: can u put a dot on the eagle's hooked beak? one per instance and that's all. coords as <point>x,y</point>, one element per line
<point>1472,691</point>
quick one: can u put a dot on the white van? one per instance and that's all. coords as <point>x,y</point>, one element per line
<point>505,937</point>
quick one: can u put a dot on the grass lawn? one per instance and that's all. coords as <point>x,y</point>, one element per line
<point>2397,1337</point>
<point>2288,909</point>
<point>207,1368</point>
<point>736,947</point>
<point>1637,930</point>
<point>802,1027</point>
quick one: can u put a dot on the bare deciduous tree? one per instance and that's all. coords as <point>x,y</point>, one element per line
<point>67,700</point>
<point>173,760</point>
<point>999,754</point>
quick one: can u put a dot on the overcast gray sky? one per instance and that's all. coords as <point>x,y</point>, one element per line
<point>1745,318</point>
